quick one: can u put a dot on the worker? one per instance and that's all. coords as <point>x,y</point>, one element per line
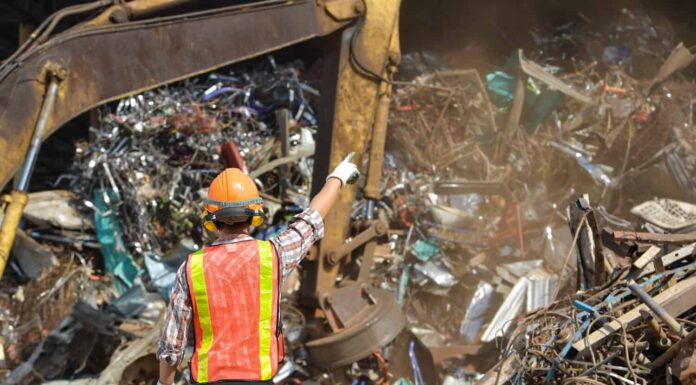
<point>226,297</point>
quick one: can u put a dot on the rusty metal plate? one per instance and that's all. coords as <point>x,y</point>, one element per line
<point>382,322</point>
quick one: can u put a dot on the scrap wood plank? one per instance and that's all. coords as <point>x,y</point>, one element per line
<point>676,300</point>
<point>646,258</point>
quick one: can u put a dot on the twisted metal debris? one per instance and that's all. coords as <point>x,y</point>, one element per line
<point>152,156</point>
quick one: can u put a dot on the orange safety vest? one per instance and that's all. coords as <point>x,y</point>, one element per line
<point>235,294</point>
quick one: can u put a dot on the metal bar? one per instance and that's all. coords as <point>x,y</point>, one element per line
<point>512,119</point>
<point>655,238</point>
<point>37,139</point>
<point>536,71</point>
<point>377,229</point>
<point>283,122</point>
<point>658,310</point>
<point>379,138</point>
<point>368,258</point>
<point>279,162</point>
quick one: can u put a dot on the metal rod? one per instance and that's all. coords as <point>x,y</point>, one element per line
<point>283,123</point>
<point>658,310</point>
<point>379,137</point>
<point>37,139</point>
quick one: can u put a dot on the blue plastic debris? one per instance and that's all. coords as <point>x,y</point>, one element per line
<point>417,376</point>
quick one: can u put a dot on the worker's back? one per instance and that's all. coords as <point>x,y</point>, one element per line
<point>234,291</point>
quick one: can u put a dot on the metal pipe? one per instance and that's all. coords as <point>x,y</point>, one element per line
<point>18,198</point>
<point>660,340</point>
<point>370,209</point>
<point>658,310</point>
<point>37,139</point>
<point>379,138</point>
<point>70,11</point>
<point>672,352</point>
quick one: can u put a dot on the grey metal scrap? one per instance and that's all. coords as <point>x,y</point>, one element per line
<point>475,312</point>
<point>438,272</point>
<point>508,311</point>
<point>541,290</point>
<point>536,71</point>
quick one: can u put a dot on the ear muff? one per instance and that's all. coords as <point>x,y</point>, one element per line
<point>257,216</point>
<point>209,225</point>
<point>257,220</point>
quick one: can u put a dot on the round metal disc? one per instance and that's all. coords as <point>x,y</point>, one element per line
<point>381,323</point>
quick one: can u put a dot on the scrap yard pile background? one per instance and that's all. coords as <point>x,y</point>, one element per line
<point>541,216</point>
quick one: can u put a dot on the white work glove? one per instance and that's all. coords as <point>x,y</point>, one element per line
<point>346,171</point>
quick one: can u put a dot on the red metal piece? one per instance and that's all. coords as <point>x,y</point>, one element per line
<point>232,157</point>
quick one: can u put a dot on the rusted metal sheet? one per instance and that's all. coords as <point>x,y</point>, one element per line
<point>110,61</point>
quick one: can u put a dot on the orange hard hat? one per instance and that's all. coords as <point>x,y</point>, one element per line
<point>232,188</point>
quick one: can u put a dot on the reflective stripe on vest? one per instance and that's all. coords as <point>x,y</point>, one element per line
<point>265,308</point>
<point>224,285</point>
<point>203,312</point>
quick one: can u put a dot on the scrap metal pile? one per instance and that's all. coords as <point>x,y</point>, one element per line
<point>151,158</point>
<point>636,329</point>
<point>478,175</point>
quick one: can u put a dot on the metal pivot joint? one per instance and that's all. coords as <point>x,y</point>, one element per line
<point>377,229</point>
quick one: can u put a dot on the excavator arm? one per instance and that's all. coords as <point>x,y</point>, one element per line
<point>113,56</point>
<point>133,46</point>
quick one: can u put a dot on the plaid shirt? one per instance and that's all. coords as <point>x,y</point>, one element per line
<point>291,246</point>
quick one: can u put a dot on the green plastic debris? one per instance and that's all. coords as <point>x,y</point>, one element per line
<point>425,249</point>
<point>117,259</point>
<point>501,86</point>
<point>539,102</point>
<point>402,381</point>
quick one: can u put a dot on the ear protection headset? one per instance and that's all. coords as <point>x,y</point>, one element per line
<point>233,209</point>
